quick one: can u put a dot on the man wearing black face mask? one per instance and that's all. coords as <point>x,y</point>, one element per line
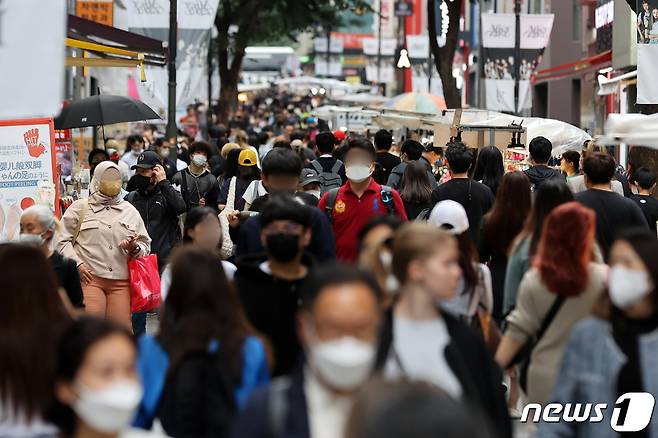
<point>281,170</point>
<point>159,204</point>
<point>269,285</point>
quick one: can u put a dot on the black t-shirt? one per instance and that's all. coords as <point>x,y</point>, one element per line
<point>649,206</point>
<point>387,161</point>
<point>614,213</point>
<point>475,197</point>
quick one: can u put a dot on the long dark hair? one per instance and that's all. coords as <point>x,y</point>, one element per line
<point>510,210</point>
<point>415,185</point>
<point>201,307</point>
<point>74,344</point>
<point>489,167</point>
<point>232,166</point>
<point>468,257</point>
<point>549,194</point>
<point>31,318</point>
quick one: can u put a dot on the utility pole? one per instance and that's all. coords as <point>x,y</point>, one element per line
<point>517,55</point>
<point>172,130</point>
<point>379,46</point>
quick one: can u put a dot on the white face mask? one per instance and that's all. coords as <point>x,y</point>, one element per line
<point>199,160</point>
<point>315,193</point>
<point>35,240</point>
<point>343,363</point>
<point>627,286</point>
<point>358,172</point>
<point>111,409</point>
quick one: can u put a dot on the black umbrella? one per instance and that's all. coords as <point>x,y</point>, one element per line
<point>103,110</point>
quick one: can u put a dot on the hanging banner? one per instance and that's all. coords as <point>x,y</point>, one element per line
<point>27,171</point>
<point>419,52</point>
<point>647,51</point>
<point>498,41</point>
<point>328,63</point>
<point>98,11</point>
<point>32,54</point>
<point>195,20</point>
<point>377,71</point>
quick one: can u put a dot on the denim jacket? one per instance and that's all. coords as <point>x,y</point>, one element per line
<point>588,374</point>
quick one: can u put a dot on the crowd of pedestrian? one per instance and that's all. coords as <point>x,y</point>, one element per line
<point>318,284</point>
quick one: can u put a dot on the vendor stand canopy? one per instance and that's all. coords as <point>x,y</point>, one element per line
<point>631,129</point>
<point>563,135</point>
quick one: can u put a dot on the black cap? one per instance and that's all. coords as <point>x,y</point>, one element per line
<point>147,160</point>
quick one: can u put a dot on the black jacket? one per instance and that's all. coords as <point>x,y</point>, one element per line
<point>256,420</point>
<point>159,209</point>
<point>194,188</point>
<point>69,279</point>
<point>539,174</point>
<point>467,356</point>
<point>271,306</point>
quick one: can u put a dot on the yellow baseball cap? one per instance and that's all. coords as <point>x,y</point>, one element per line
<point>247,158</point>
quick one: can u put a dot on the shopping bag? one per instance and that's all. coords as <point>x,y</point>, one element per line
<point>144,284</point>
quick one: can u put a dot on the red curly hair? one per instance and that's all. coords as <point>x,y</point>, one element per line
<point>565,249</point>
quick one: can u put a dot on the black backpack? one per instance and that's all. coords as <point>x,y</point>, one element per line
<point>328,180</point>
<point>386,194</point>
<point>197,400</point>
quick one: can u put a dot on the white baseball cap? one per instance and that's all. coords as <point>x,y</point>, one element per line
<point>450,216</point>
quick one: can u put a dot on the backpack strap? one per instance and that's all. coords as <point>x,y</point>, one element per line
<point>387,198</point>
<point>183,185</point>
<point>317,166</point>
<point>336,167</point>
<point>332,195</point>
<point>278,406</point>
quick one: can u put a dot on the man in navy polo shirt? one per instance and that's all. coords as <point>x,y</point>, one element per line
<point>351,206</point>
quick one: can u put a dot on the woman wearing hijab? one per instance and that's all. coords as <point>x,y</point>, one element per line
<point>101,233</point>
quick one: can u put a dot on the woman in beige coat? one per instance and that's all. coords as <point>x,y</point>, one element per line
<point>562,270</point>
<point>101,233</point>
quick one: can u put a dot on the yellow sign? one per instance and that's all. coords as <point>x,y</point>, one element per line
<point>101,11</point>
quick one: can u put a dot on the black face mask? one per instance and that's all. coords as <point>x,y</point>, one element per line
<point>141,182</point>
<point>283,247</point>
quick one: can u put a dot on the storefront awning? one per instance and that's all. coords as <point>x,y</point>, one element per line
<point>112,47</point>
<point>572,69</point>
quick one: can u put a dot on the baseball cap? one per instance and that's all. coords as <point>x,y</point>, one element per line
<point>311,120</point>
<point>147,160</point>
<point>450,216</point>
<point>308,176</point>
<point>339,135</point>
<point>296,144</point>
<point>247,157</point>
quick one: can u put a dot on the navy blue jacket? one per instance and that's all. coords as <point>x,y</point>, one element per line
<point>322,246</point>
<point>256,422</point>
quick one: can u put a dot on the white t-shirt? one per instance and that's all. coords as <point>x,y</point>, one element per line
<point>420,350</point>
<point>252,193</point>
<point>165,279</point>
<point>327,411</point>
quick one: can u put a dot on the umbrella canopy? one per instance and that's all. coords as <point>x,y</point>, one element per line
<point>103,110</point>
<point>421,102</point>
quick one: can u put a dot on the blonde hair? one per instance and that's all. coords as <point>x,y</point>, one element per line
<point>589,148</point>
<point>228,147</point>
<point>413,241</point>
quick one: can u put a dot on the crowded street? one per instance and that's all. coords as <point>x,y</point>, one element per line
<point>328,219</point>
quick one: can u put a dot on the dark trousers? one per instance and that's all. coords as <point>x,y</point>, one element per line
<point>139,324</point>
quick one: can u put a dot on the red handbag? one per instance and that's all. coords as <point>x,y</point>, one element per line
<point>144,284</point>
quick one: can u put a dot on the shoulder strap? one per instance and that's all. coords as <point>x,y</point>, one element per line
<point>317,166</point>
<point>81,217</point>
<point>278,406</point>
<point>550,316</point>
<point>332,195</point>
<point>387,199</point>
<point>336,167</point>
<point>183,184</point>
<point>230,199</point>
